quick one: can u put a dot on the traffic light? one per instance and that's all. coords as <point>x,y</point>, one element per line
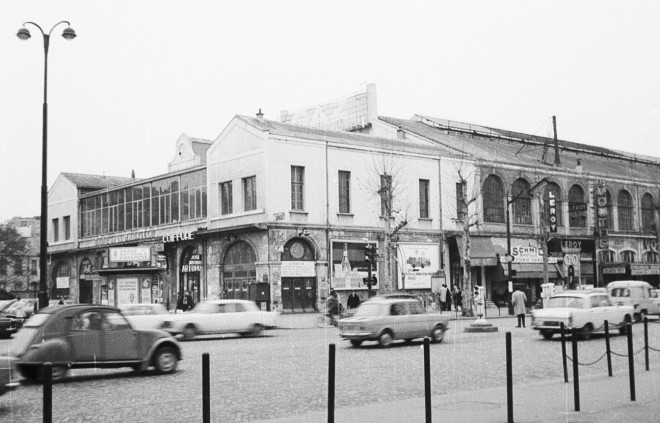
<point>370,254</point>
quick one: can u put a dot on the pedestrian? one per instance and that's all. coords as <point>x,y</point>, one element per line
<point>353,301</point>
<point>332,307</point>
<point>458,299</point>
<point>518,299</point>
<point>442,295</point>
<point>187,301</point>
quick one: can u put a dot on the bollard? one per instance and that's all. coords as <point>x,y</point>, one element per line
<point>576,375</point>
<point>631,363</point>
<point>331,384</point>
<point>206,389</point>
<point>646,342</point>
<point>563,351</point>
<point>509,380</point>
<point>427,379</point>
<point>608,351</point>
<point>48,392</point>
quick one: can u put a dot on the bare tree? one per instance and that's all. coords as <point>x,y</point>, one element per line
<point>385,183</point>
<point>468,217</point>
<point>12,250</point>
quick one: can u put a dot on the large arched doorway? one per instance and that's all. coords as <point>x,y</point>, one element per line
<point>239,270</point>
<point>85,283</point>
<point>298,276</point>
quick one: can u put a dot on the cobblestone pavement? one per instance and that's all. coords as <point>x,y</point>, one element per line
<point>285,373</point>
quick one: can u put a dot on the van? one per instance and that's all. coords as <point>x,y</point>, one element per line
<point>638,294</point>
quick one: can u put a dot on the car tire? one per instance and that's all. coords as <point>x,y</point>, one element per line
<point>60,372</point>
<point>189,332</point>
<point>257,330</point>
<point>165,360</point>
<point>546,334</point>
<point>438,334</point>
<point>29,372</point>
<point>356,342</point>
<point>385,339</point>
<point>586,331</point>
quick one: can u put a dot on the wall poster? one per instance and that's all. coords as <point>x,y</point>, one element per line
<point>417,264</point>
<point>349,266</point>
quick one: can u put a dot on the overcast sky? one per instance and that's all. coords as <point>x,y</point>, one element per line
<point>140,73</point>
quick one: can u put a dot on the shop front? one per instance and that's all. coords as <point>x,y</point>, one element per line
<point>298,273</point>
<point>350,268</point>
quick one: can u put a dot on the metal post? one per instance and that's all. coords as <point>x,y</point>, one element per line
<point>206,389</point>
<point>509,379</point>
<point>608,351</point>
<point>563,351</point>
<point>646,342</point>
<point>427,380</point>
<point>631,363</point>
<point>508,253</point>
<point>576,376</point>
<point>331,384</point>
<point>48,392</point>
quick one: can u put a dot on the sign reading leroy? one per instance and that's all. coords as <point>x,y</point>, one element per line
<point>552,205</point>
<point>130,254</point>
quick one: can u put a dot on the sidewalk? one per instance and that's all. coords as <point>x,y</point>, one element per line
<point>602,399</point>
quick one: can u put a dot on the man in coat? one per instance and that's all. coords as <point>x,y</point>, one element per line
<point>353,301</point>
<point>518,299</point>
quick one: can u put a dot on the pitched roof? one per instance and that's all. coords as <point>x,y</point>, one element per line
<point>200,145</point>
<point>484,143</point>
<point>86,181</point>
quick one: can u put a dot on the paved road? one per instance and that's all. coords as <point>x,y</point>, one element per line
<point>284,374</point>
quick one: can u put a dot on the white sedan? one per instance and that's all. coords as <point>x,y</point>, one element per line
<point>145,316</point>
<point>221,316</point>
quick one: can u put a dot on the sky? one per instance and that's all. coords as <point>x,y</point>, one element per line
<point>141,73</point>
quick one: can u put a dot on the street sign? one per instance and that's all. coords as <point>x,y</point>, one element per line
<point>371,280</point>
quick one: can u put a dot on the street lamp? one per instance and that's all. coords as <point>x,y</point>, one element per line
<point>531,191</point>
<point>24,34</point>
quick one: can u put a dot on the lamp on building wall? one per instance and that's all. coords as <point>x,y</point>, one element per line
<point>509,258</point>
<point>24,34</point>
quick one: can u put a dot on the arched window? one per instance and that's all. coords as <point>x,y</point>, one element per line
<point>61,275</point>
<point>239,270</point>
<point>627,256</point>
<point>493,197</point>
<point>650,257</point>
<point>522,202</point>
<point>556,192</point>
<point>648,212</point>
<point>625,208</point>
<point>606,256</point>
<point>577,207</point>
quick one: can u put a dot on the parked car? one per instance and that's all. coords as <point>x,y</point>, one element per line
<point>23,308</point>
<point>6,303</point>
<point>221,316</point>
<point>638,294</point>
<point>145,316</point>
<point>88,336</point>
<point>585,311</point>
<point>385,319</point>
<point>9,380</point>
<point>9,324</point>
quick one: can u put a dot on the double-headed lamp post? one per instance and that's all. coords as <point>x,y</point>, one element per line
<point>24,34</point>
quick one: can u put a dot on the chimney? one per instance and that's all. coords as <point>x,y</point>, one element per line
<point>554,126</point>
<point>400,133</point>
<point>260,115</point>
<point>133,174</point>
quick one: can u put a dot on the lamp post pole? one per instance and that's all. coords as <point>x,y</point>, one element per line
<point>24,34</point>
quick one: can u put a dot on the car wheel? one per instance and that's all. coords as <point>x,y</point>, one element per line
<point>356,342</point>
<point>438,333</point>
<point>586,331</point>
<point>189,332</point>
<point>28,372</point>
<point>257,330</point>
<point>60,372</point>
<point>546,334</point>
<point>165,360</point>
<point>385,339</point>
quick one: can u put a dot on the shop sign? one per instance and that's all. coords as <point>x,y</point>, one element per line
<point>644,269</point>
<point>614,270</point>
<point>130,254</point>
<point>62,282</point>
<point>557,247</point>
<point>194,264</point>
<point>127,290</point>
<point>529,254</point>
<point>181,236</point>
<point>552,203</point>
<point>124,238</point>
<point>303,269</point>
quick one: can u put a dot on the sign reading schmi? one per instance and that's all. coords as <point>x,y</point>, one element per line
<point>124,254</point>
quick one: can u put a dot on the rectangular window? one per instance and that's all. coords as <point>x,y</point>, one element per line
<point>226,205</point>
<point>18,267</point>
<point>34,265</point>
<point>460,201</point>
<point>344,191</point>
<point>250,193</point>
<point>56,230</point>
<point>385,193</point>
<point>297,187</point>
<point>67,227</point>
<point>423,198</point>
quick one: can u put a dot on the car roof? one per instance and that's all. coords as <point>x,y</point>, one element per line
<point>627,283</point>
<point>56,309</point>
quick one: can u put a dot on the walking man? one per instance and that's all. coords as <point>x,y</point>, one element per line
<point>518,299</point>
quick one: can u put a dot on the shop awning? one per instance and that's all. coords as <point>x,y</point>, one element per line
<point>483,252</point>
<point>533,271</point>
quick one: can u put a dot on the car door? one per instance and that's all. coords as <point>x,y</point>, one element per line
<point>418,321</point>
<point>118,337</point>
<point>84,335</point>
<point>398,317</point>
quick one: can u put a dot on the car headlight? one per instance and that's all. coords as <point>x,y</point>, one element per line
<point>166,325</point>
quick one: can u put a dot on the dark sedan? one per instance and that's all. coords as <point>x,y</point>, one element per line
<point>88,336</point>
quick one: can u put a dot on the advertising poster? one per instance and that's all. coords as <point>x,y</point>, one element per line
<point>127,291</point>
<point>349,266</point>
<point>417,264</point>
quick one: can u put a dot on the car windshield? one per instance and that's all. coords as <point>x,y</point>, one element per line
<point>369,309</point>
<point>205,308</point>
<point>566,302</point>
